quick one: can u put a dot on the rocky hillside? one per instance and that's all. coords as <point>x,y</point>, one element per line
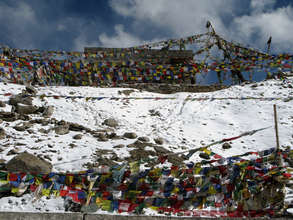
<point>75,128</point>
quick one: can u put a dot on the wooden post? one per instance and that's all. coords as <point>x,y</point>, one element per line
<point>277,135</point>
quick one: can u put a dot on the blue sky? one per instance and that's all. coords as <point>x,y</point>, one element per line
<point>74,24</point>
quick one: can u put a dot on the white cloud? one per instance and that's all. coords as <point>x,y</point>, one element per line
<point>277,23</point>
<point>258,6</point>
<point>186,17</point>
<point>81,41</point>
<point>121,39</point>
<point>182,17</point>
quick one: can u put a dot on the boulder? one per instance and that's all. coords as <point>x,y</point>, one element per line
<point>2,133</point>
<point>31,90</point>
<point>2,104</point>
<point>21,99</point>
<point>8,116</point>
<point>76,127</point>
<point>111,122</point>
<point>26,162</point>
<point>48,111</point>
<point>159,141</point>
<point>62,128</point>
<point>113,136</point>
<point>77,136</point>
<point>144,139</point>
<point>226,146</point>
<point>130,135</point>
<point>204,156</point>
<point>23,126</point>
<point>25,109</point>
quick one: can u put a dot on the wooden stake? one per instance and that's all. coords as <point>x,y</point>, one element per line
<point>277,135</point>
<point>276,127</point>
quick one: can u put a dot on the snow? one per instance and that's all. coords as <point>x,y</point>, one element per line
<point>183,124</point>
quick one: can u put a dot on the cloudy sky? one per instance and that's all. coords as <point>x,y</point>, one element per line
<point>74,24</point>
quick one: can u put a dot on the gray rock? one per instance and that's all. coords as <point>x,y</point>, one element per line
<point>62,128</point>
<point>2,104</point>
<point>30,89</point>
<point>44,131</point>
<point>77,136</point>
<point>12,152</point>
<point>204,156</point>
<point>72,145</point>
<point>130,135</point>
<point>21,99</point>
<point>22,126</point>
<point>26,162</point>
<point>2,133</point>
<point>144,139</point>
<point>48,112</point>
<point>8,116</point>
<point>119,146</point>
<point>25,109</point>
<point>76,127</point>
<point>226,146</point>
<point>113,136</point>
<point>159,141</point>
<point>126,92</point>
<point>111,122</point>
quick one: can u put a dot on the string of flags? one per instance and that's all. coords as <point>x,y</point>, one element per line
<point>240,188</point>
<point>88,98</point>
<point>120,66</point>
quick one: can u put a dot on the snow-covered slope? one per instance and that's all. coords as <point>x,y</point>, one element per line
<point>182,123</point>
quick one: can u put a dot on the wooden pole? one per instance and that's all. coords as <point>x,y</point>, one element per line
<point>277,134</point>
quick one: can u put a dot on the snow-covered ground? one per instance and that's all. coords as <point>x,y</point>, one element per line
<point>183,124</point>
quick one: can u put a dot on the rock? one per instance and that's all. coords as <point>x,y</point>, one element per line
<point>25,109</point>
<point>44,131</point>
<point>161,150</point>
<point>8,116</point>
<point>126,92</point>
<point>71,206</point>
<point>159,141</point>
<point>111,122</point>
<point>62,129</point>
<point>144,139</point>
<point>47,157</point>
<point>20,99</point>
<point>119,146</point>
<point>226,146</point>
<point>77,136</point>
<point>48,111</point>
<point>154,113</point>
<point>28,163</point>
<point>101,136</point>
<point>2,104</point>
<point>130,135</point>
<point>72,145</point>
<point>204,156</point>
<point>12,152</point>
<point>2,133</point>
<point>30,89</point>
<point>24,117</point>
<point>76,127</point>
<point>113,135</point>
<point>23,126</point>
